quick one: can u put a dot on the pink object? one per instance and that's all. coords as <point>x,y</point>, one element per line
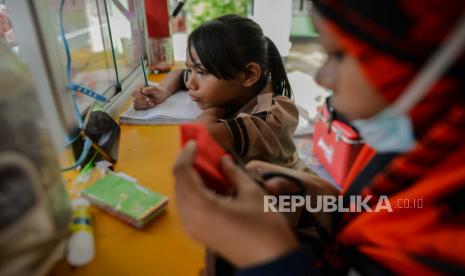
<point>5,27</point>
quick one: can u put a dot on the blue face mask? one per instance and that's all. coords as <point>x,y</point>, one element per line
<point>386,132</point>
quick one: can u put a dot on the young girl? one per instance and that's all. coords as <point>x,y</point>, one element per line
<point>236,76</point>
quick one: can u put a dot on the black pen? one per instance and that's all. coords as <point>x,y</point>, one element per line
<point>178,8</point>
<point>146,83</point>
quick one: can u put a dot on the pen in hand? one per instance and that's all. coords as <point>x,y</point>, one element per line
<point>146,83</point>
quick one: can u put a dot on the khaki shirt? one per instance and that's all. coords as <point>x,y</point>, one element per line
<point>263,128</point>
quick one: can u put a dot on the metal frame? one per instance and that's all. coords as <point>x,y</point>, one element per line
<point>33,21</point>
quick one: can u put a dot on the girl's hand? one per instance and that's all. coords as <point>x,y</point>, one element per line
<point>261,167</point>
<point>147,97</point>
<point>236,228</point>
<point>314,185</point>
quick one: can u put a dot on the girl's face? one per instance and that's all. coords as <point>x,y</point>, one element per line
<point>206,89</point>
<point>354,96</point>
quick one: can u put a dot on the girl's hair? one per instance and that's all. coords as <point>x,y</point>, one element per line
<point>228,43</point>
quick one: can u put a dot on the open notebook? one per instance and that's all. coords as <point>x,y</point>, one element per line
<point>177,109</point>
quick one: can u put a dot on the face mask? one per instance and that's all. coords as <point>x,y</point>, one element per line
<point>386,132</point>
<point>391,129</point>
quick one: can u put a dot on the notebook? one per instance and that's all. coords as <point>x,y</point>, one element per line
<point>125,199</point>
<point>176,109</point>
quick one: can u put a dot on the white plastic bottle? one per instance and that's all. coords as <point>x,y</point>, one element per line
<point>81,248</point>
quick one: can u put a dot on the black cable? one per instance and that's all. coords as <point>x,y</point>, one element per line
<point>118,84</point>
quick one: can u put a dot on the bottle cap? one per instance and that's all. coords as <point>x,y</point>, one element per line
<point>79,202</point>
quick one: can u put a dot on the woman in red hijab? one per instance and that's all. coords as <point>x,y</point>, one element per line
<point>396,69</point>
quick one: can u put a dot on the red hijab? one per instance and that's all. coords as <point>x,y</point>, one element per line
<point>392,40</point>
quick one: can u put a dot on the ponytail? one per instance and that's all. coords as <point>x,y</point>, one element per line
<point>277,72</point>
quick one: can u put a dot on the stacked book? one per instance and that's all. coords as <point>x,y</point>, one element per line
<point>126,199</point>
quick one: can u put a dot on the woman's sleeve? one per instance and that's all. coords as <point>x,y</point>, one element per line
<point>296,263</point>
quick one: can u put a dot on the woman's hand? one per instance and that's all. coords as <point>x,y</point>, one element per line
<point>314,186</point>
<point>147,97</point>
<point>236,228</point>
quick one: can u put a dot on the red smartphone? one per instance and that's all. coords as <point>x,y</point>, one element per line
<point>208,157</point>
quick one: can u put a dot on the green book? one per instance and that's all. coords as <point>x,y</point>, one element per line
<point>125,199</point>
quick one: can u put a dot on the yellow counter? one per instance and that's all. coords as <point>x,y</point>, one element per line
<point>146,153</point>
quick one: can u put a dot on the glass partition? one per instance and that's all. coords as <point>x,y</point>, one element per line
<point>105,39</point>
<point>127,27</point>
<point>91,34</point>
<point>91,64</point>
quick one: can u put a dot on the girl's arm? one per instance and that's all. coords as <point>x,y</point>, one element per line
<point>210,118</point>
<point>173,82</point>
<point>147,97</point>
